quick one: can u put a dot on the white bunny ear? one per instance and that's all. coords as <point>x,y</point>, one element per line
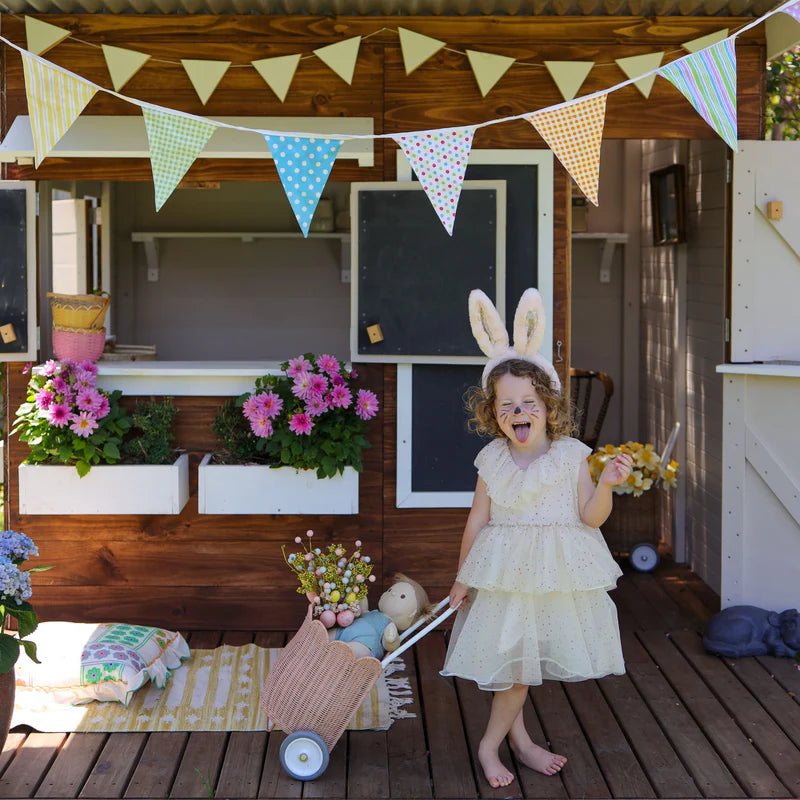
<point>529,323</point>
<point>487,327</point>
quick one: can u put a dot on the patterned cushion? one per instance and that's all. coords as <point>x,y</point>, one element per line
<point>85,662</point>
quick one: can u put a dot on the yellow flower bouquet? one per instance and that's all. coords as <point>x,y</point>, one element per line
<point>648,469</point>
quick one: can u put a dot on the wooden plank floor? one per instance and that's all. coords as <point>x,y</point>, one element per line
<point>679,724</point>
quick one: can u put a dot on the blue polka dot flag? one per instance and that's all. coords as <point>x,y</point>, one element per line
<point>303,164</point>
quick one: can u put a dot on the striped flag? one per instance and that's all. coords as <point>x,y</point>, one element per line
<point>55,100</point>
<point>707,79</point>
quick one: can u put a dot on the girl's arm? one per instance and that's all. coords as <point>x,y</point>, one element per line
<point>476,521</point>
<point>594,502</point>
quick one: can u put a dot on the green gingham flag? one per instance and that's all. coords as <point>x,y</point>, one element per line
<point>175,142</point>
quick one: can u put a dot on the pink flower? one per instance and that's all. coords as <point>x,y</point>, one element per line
<point>318,384</point>
<point>89,366</point>
<point>366,404</point>
<point>43,399</point>
<point>301,424</point>
<point>59,385</point>
<point>302,385</point>
<point>50,368</point>
<point>83,424</point>
<point>261,426</point>
<point>103,408</point>
<point>338,380</point>
<point>88,400</point>
<point>353,374</point>
<point>316,406</point>
<point>58,415</point>
<point>340,397</point>
<point>270,404</point>
<point>27,368</point>
<point>250,408</point>
<point>328,364</point>
<point>298,365</point>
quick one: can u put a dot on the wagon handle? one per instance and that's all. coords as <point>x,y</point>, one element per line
<point>673,437</point>
<point>429,627</point>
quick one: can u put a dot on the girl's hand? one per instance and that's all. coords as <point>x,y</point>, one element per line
<point>458,595</point>
<point>617,471</point>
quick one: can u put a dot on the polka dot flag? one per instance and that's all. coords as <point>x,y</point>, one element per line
<point>793,10</point>
<point>574,133</point>
<point>439,160</point>
<point>303,165</point>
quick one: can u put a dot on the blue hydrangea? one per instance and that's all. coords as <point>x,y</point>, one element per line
<point>15,584</point>
<point>16,546</point>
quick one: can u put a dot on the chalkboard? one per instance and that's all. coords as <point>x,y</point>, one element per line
<point>14,270</point>
<point>412,277</point>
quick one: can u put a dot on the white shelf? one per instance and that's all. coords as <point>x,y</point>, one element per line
<point>610,241</point>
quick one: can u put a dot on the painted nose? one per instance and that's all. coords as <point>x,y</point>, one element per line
<point>517,410</point>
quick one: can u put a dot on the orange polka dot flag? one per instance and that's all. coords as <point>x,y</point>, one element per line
<point>574,133</point>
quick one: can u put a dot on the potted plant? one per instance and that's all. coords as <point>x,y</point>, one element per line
<point>75,431</point>
<point>15,590</point>
<point>291,446</point>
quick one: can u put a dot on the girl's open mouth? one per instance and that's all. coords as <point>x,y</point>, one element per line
<point>521,431</point>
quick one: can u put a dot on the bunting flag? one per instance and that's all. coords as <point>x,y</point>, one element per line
<point>175,142</point>
<point>303,165</point>
<point>569,75</point>
<point>633,66</point>
<point>204,75</point>
<point>707,79</point>
<point>42,36</point>
<point>439,160</point>
<point>574,133</point>
<point>695,45</point>
<point>793,10</point>
<point>417,48</point>
<point>341,57</point>
<point>122,64</point>
<point>278,73</point>
<point>488,68</point>
<point>55,101</point>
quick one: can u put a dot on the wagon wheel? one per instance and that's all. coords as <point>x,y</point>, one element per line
<point>304,755</point>
<point>643,557</point>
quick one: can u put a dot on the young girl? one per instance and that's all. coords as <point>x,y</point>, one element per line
<point>534,570</point>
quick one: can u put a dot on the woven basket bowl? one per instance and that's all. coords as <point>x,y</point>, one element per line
<point>86,311</point>
<point>78,344</point>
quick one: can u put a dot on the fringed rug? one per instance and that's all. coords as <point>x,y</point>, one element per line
<point>215,690</point>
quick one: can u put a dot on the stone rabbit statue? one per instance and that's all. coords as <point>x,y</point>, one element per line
<point>752,631</point>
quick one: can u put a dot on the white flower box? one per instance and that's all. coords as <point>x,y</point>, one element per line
<point>257,489</point>
<point>106,489</point>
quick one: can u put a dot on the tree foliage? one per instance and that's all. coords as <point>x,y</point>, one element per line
<point>783,96</point>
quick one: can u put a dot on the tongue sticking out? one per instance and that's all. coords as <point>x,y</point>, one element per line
<point>521,432</point>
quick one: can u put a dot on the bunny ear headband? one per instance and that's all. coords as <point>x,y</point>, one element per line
<point>492,337</point>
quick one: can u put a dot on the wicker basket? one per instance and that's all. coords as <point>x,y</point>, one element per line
<point>78,344</point>
<point>85,311</point>
<point>633,520</point>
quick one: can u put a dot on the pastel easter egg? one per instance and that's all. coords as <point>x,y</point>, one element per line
<point>345,618</point>
<point>327,618</point>
<point>351,598</point>
<point>335,595</point>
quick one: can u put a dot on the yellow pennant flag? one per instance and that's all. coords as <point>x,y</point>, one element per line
<point>122,64</point>
<point>341,57</point>
<point>278,73</point>
<point>705,41</point>
<point>488,68</point>
<point>569,75</point>
<point>42,36</point>
<point>574,133</point>
<point>204,75</point>
<point>55,100</point>
<point>633,66</point>
<point>417,48</point>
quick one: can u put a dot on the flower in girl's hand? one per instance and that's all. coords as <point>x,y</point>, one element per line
<point>647,470</point>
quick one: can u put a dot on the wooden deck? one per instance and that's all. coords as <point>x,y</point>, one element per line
<point>679,724</point>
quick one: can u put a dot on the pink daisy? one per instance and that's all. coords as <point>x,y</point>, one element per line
<point>88,400</point>
<point>261,426</point>
<point>340,397</point>
<point>366,404</point>
<point>250,408</point>
<point>328,364</point>
<point>316,406</point>
<point>301,424</point>
<point>89,366</point>
<point>43,399</point>
<point>298,365</point>
<point>58,415</point>
<point>318,384</point>
<point>83,424</point>
<point>270,404</point>
<point>338,380</point>
<point>50,368</point>
<point>59,385</point>
<point>302,385</point>
<point>353,374</point>
<point>103,408</point>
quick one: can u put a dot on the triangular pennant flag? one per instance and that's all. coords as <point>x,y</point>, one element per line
<point>42,36</point>
<point>55,100</point>
<point>439,160</point>
<point>793,10</point>
<point>696,45</point>
<point>204,75</point>
<point>122,64</point>
<point>278,73</point>
<point>707,79</point>
<point>569,75</point>
<point>303,165</point>
<point>574,133</point>
<point>488,68</point>
<point>341,57</point>
<point>633,66</point>
<point>175,142</point>
<point>417,48</point>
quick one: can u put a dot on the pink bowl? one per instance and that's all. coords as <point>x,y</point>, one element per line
<point>78,345</point>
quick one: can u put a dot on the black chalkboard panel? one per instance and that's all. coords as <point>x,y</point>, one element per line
<point>443,448</point>
<point>413,278</point>
<point>14,268</point>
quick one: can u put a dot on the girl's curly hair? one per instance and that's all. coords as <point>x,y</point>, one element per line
<point>480,403</point>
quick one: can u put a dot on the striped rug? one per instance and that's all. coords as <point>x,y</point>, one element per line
<point>215,690</point>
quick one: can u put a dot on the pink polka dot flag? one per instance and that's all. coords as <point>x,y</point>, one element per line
<point>303,165</point>
<point>574,133</point>
<point>439,160</point>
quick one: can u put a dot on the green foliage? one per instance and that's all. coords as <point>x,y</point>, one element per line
<point>237,442</point>
<point>783,96</point>
<point>152,441</point>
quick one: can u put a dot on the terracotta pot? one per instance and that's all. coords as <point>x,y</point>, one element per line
<point>7,691</point>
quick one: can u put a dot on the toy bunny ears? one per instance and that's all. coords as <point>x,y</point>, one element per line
<point>492,337</point>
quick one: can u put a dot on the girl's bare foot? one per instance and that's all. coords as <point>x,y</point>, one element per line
<point>494,770</point>
<point>539,759</point>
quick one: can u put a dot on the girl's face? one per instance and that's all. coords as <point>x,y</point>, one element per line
<point>520,412</point>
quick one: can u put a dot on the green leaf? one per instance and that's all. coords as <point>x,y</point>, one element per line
<point>9,652</point>
<point>110,450</point>
<point>27,622</point>
<point>30,650</point>
<point>83,468</point>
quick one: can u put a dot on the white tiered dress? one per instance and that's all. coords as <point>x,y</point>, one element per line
<point>538,606</point>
